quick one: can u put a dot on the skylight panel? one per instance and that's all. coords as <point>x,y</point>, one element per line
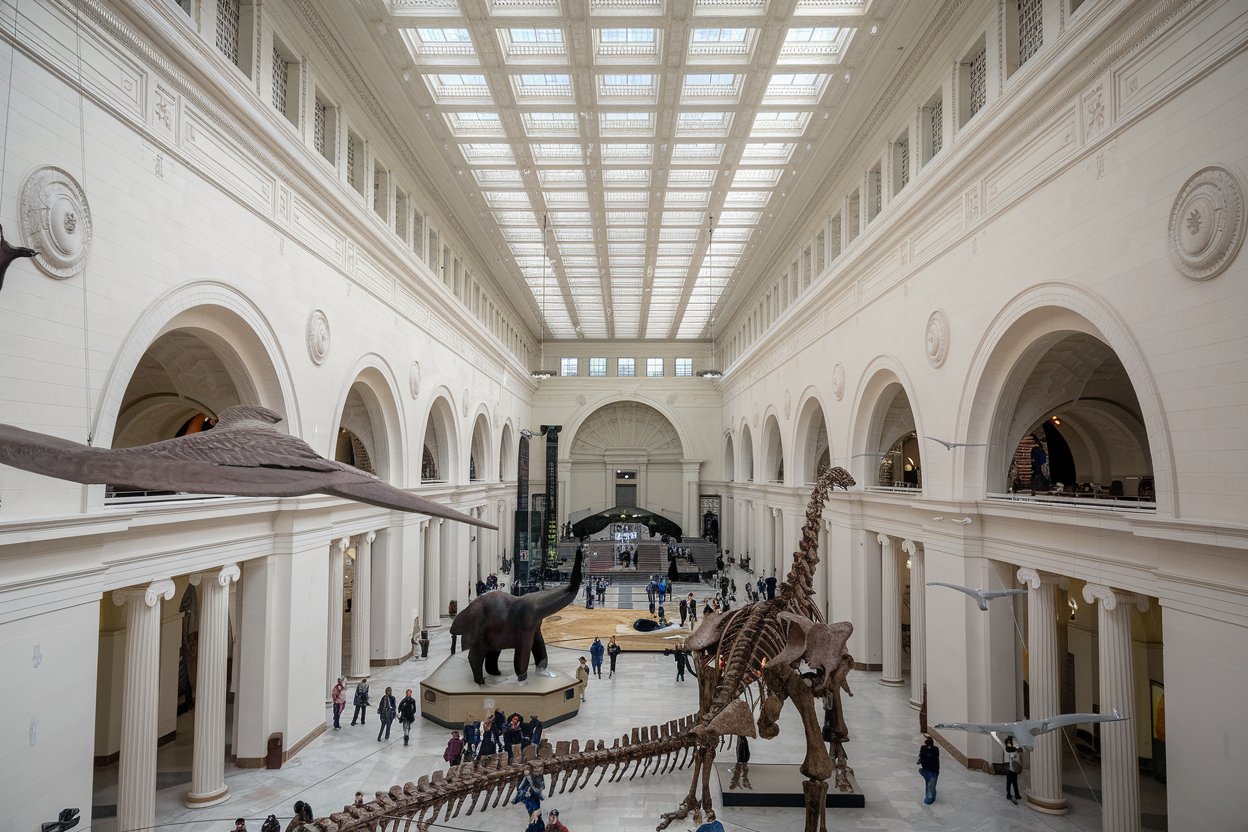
<point>772,123</point>
<point>676,235</point>
<point>440,44</point>
<point>567,199</point>
<point>626,45</point>
<point>740,217</point>
<point>691,177</point>
<point>757,177</point>
<point>627,35</point>
<point>573,235</point>
<point>458,86</point>
<point>628,86</point>
<point>547,153</point>
<point>630,153</point>
<point>626,249</point>
<point>443,35</point>
<point>489,153</point>
<point>691,124</point>
<point>675,249</point>
<point>616,123</point>
<point>506,199</point>
<point>747,199</point>
<point>686,199</point>
<point>626,217</point>
<point>542,87</point>
<point>561,178</point>
<point>581,262</point>
<point>699,86</point>
<point>515,218</point>
<point>626,199</point>
<point>740,235</point>
<point>683,217</point>
<point>697,152</point>
<point>814,44</point>
<point>719,35</point>
<point>569,217</point>
<point>482,124</point>
<point>626,234</point>
<point>498,177</point>
<point>521,235</point>
<point>804,87</point>
<point>551,124</point>
<point>735,7</point>
<point>767,152</point>
<point>628,176</point>
<point>533,45</point>
<point>528,249</point>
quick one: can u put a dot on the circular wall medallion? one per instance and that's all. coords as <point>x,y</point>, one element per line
<point>318,337</point>
<point>838,381</point>
<point>937,338</point>
<point>57,221</point>
<point>413,379</point>
<point>1207,223</point>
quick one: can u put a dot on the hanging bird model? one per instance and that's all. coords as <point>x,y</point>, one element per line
<point>9,253</point>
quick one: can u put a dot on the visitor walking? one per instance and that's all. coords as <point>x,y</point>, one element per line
<point>712,824</point>
<point>684,611</point>
<point>582,676</point>
<point>741,771</point>
<point>553,823</point>
<point>762,586</point>
<point>652,592</point>
<point>683,662</point>
<point>386,710</point>
<point>771,586</point>
<point>613,651</point>
<point>407,715</point>
<point>596,651</point>
<point>1013,767</point>
<point>489,738</point>
<point>472,734</point>
<point>529,792</point>
<point>589,595</point>
<point>303,815</point>
<point>339,698</point>
<point>361,702</point>
<point>693,609</point>
<point>533,730</point>
<point>513,735</point>
<point>454,748</point>
<point>662,589</point>
<point>929,767</point>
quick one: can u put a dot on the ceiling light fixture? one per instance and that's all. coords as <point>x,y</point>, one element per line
<point>541,373</point>
<point>712,372</point>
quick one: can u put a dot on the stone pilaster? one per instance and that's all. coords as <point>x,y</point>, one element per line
<point>1045,791</point>
<point>136,781</point>
<point>208,755</point>
<point>433,575</point>
<point>890,612</point>
<point>1120,773</point>
<point>918,621</point>
<point>362,606</point>
<point>333,644</point>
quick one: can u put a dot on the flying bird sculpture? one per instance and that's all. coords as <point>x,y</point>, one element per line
<point>244,455</point>
<point>949,446</point>
<point>981,596</point>
<point>9,253</point>
<point>1025,731</point>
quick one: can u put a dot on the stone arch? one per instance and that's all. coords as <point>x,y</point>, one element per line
<point>235,345</point>
<point>590,407</point>
<point>440,442</point>
<point>480,448</point>
<point>747,452</point>
<point>886,430</point>
<point>368,431</point>
<point>1061,348</point>
<point>507,454</point>
<point>773,449</point>
<point>812,449</point>
<point>730,461</point>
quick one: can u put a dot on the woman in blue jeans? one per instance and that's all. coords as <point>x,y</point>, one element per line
<point>929,767</point>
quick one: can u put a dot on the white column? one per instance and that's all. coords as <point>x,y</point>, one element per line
<point>333,650</point>
<point>918,622</point>
<point>136,781</point>
<point>433,575</point>
<point>362,606</point>
<point>208,756</point>
<point>1120,773</point>
<point>1045,792</point>
<point>890,612</point>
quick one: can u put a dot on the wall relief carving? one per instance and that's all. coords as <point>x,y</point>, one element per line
<point>56,221</point>
<point>413,379</point>
<point>937,338</point>
<point>838,381</point>
<point>1207,223</point>
<point>318,337</point>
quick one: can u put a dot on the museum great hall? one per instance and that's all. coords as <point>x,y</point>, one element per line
<point>983,254</point>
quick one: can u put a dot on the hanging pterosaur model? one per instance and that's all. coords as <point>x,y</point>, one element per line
<point>1025,731</point>
<point>244,456</point>
<point>9,253</point>
<point>981,596</point>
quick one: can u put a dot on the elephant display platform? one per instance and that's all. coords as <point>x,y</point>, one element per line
<point>449,694</point>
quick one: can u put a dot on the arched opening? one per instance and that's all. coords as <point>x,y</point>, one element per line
<point>437,462</point>
<point>361,438</point>
<point>1069,426</point>
<point>730,466</point>
<point>892,441</point>
<point>812,448</point>
<point>478,450</point>
<point>747,453</point>
<point>506,455</point>
<point>773,451</point>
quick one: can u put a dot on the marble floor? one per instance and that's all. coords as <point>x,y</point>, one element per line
<point>885,735</point>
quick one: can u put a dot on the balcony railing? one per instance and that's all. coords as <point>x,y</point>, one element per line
<point>1103,502</point>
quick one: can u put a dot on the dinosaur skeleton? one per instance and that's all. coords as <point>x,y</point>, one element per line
<point>765,653</point>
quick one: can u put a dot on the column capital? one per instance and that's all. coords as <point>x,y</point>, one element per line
<point>1110,598</point>
<point>883,539</point>
<point>226,575</point>
<point>150,594</point>
<point>342,544</point>
<point>370,537</point>
<point>1033,578</point>
<point>909,546</point>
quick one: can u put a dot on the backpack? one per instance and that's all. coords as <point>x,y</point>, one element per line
<point>270,824</point>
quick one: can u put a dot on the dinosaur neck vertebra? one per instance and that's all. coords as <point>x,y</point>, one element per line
<point>798,585</point>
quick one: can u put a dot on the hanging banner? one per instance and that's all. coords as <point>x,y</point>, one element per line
<point>550,543</point>
<point>522,541</point>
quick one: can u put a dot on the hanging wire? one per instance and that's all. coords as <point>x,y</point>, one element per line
<point>82,176</point>
<point>8,98</point>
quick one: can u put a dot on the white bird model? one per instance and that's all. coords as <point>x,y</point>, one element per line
<point>981,596</point>
<point>1025,731</point>
<point>949,446</point>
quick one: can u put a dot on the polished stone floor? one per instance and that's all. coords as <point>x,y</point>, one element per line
<point>885,736</point>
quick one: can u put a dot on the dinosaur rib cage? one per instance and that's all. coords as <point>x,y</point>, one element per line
<point>752,636</point>
<point>491,781</point>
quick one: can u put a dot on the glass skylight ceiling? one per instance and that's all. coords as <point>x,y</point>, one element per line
<point>602,161</point>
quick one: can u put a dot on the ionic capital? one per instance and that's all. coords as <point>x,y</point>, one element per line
<point>884,540</point>
<point>1033,578</point>
<point>370,537</point>
<point>342,544</point>
<point>150,594</point>
<point>910,547</point>
<point>1110,598</point>
<point>226,575</point>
